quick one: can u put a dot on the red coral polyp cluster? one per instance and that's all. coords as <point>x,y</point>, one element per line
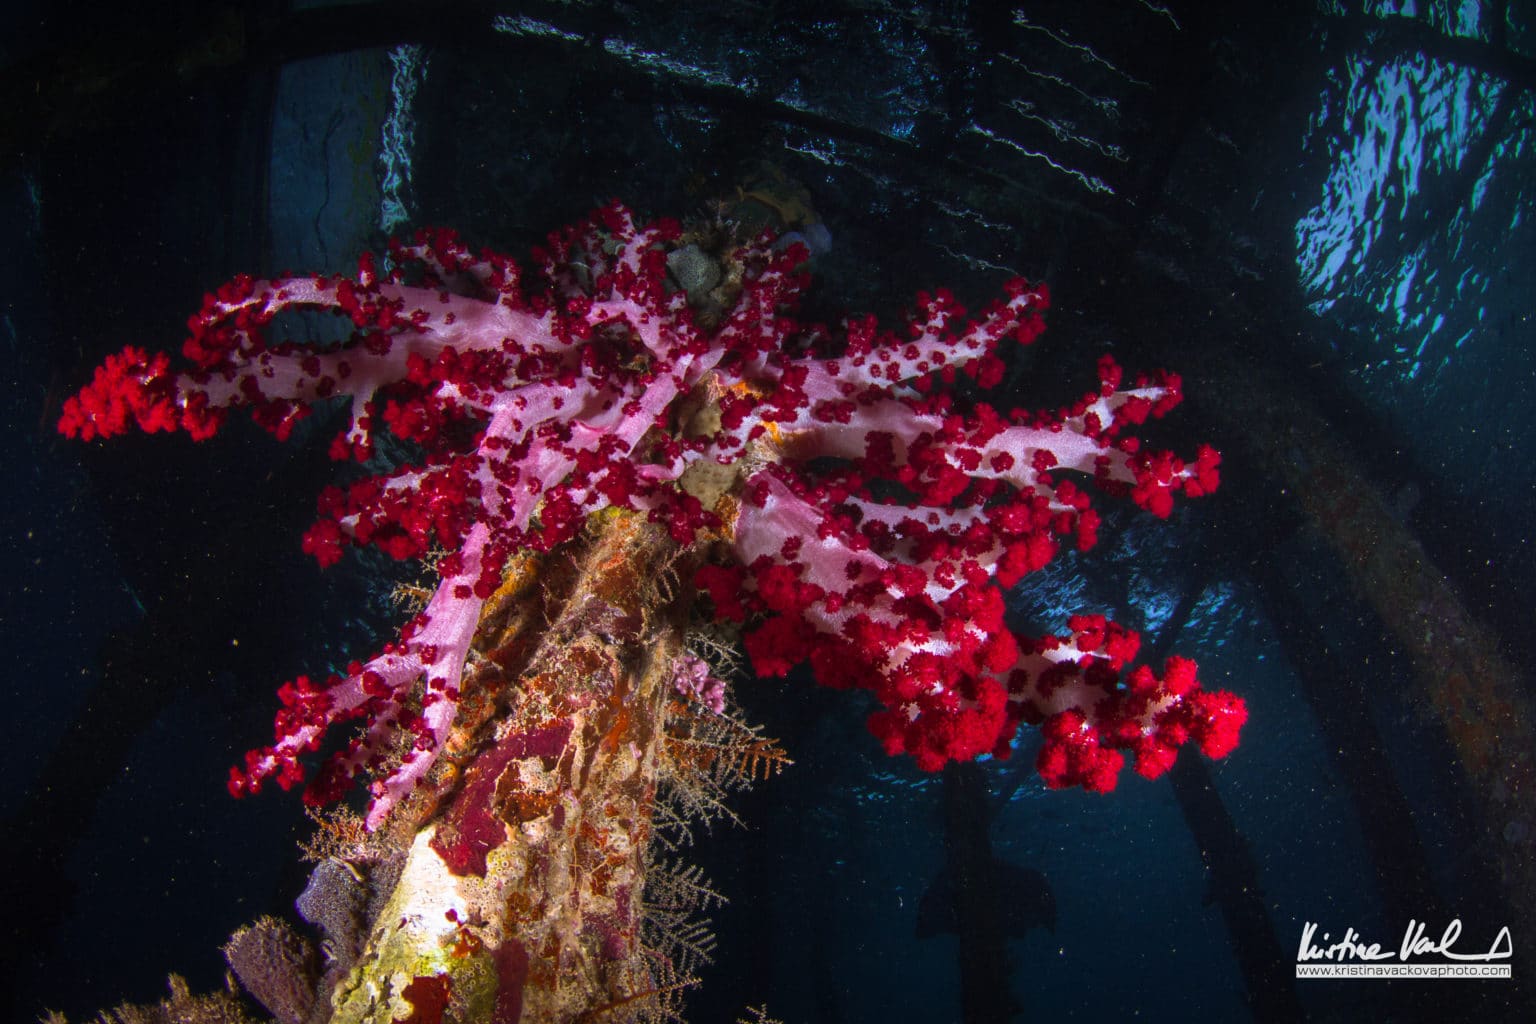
<point>903,597</point>
<point>876,522</point>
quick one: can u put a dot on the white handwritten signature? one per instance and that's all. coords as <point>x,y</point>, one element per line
<point>1416,943</point>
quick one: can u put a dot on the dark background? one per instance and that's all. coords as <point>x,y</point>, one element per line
<point>1181,176</point>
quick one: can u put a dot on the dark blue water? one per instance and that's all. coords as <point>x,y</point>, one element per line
<point>1333,202</point>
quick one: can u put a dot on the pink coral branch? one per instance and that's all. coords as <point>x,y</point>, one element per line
<point>876,527</point>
